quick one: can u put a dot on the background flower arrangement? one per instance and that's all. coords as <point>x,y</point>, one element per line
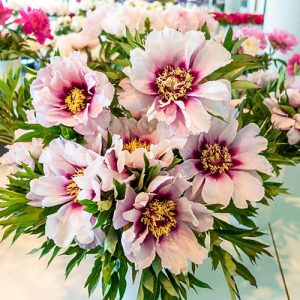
<point>144,156</point>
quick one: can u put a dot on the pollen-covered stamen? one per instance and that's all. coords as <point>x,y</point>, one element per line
<point>72,187</point>
<point>174,83</point>
<point>215,159</point>
<point>159,216</point>
<point>135,144</point>
<point>76,100</point>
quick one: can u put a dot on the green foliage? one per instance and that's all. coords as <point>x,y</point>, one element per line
<point>14,101</point>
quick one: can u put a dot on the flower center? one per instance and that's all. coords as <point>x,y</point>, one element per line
<point>72,187</point>
<point>216,159</point>
<point>76,100</point>
<point>135,144</point>
<point>174,83</point>
<point>159,216</point>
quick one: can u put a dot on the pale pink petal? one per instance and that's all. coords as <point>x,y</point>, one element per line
<point>210,58</point>
<point>217,190</point>
<point>247,186</point>
<point>213,90</point>
<point>200,119</point>
<point>293,136</point>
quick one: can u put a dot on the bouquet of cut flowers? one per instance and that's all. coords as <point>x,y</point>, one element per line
<point>141,162</point>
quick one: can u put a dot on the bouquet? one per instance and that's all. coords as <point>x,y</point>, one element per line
<point>144,161</point>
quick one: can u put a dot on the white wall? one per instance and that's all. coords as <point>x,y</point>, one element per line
<point>283,14</point>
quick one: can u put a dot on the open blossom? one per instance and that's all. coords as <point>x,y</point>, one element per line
<point>223,164</point>
<point>282,40</point>
<point>162,223</point>
<point>5,13</point>
<point>70,176</point>
<point>292,62</point>
<point>35,21</point>
<point>282,119</point>
<point>164,80</point>
<point>141,137</point>
<point>256,41</point>
<point>67,92</point>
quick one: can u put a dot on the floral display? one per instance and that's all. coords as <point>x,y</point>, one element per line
<point>239,18</point>
<point>151,148</point>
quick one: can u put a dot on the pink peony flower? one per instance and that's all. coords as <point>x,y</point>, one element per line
<point>282,40</point>
<point>256,42</point>
<point>164,80</point>
<point>162,223</point>
<point>70,176</point>
<point>281,119</point>
<point>224,163</point>
<point>68,92</point>
<point>5,13</point>
<point>35,21</point>
<point>139,138</point>
<point>294,60</point>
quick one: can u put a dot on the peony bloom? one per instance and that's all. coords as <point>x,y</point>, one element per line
<point>139,138</point>
<point>223,164</point>
<point>18,154</point>
<point>294,60</point>
<point>5,13</point>
<point>256,42</point>
<point>68,92</point>
<point>164,80</point>
<point>282,40</point>
<point>281,119</point>
<point>70,176</point>
<point>35,21</point>
<point>162,223</point>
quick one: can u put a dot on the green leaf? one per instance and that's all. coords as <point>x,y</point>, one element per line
<point>148,280</point>
<point>168,285</point>
<point>111,240</point>
<point>243,84</point>
<point>119,190</point>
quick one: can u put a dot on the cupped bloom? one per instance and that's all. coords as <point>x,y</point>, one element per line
<point>37,22</point>
<point>293,64</point>
<point>5,13</point>
<point>223,164</point>
<point>256,41</point>
<point>139,138</point>
<point>282,40</point>
<point>70,176</point>
<point>282,119</point>
<point>162,222</point>
<point>167,80</point>
<point>67,92</point>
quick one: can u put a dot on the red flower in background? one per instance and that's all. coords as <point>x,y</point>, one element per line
<point>35,21</point>
<point>258,19</point>
<point>5,13</point>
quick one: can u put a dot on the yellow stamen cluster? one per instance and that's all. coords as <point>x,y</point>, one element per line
<point>135,144</point>
<point>216,159</point>
<point>159,216</point>
<point>174,83</point>
<point>76,100</point>
<point>73,188</point>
